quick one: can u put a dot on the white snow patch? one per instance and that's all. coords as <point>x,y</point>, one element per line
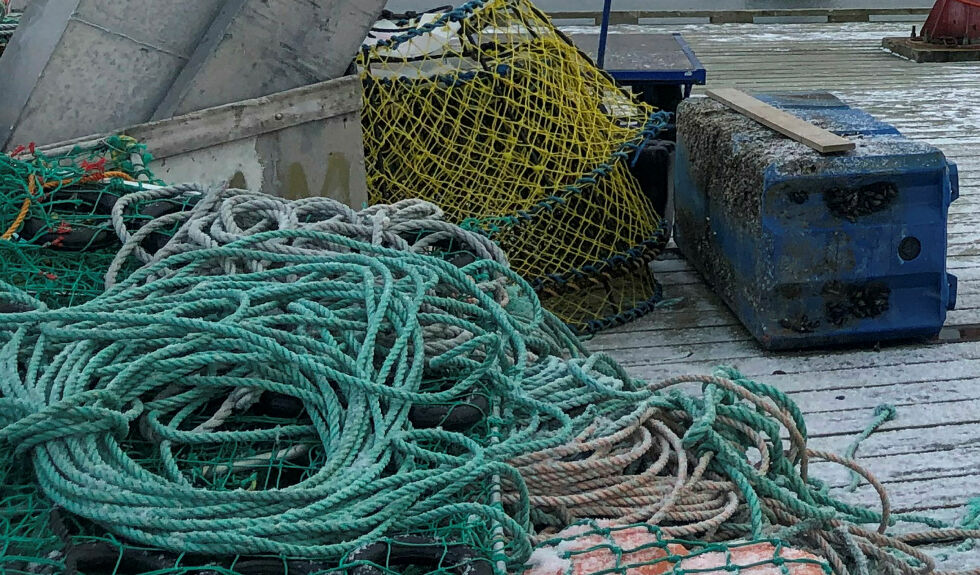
<point>547,561</point>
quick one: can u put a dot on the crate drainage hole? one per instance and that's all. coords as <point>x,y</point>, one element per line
<point>910,248</point>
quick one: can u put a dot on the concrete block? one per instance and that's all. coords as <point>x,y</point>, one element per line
<point>259,47</point>
<point>81,66</point>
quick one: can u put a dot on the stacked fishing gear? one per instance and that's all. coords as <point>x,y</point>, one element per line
<point>491,113</point>
<point>351,398</point>
<point>9,20</point>
<point>296,387</point>
<point>56,237</point>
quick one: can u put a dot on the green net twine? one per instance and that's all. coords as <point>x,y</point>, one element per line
<point>601,547</point>
<point>56,234</point>
<point>24,533</point>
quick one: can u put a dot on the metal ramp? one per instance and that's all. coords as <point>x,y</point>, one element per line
<point>78,67</point>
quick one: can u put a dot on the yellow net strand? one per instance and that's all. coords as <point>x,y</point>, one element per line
<point>494,115</point>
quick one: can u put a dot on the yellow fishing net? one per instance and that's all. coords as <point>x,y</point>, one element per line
<point>493,114</point>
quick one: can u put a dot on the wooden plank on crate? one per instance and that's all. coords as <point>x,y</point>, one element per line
<point>823,141</point>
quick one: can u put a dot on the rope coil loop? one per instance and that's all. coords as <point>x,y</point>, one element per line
<point>251,390</point>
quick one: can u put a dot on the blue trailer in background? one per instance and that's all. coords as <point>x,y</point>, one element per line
<point>660,68</point>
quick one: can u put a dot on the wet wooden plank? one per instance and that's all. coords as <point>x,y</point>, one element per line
<point>914,393</point>
<point>915,496</point>
<point>930,418</point>
<point>821,140</point>
<point>620,342</point>
<point>954,437</point>
<point>905,467</point>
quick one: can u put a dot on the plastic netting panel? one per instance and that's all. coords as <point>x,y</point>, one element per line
<point>494,115</point>
<point>57,238</point>
<point>66,200</point>
<point>591,548</point>
<point>24,534</point>
<point>58,278</point>
<point>604,301</point>
<point>37,537</point>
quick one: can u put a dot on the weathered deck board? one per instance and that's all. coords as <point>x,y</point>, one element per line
<point>929,457</point>
<point>908,466</point>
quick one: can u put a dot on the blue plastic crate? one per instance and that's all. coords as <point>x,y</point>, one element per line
<point>812,250</point>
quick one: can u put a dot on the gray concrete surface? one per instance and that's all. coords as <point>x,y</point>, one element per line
<point>78,67</point>
<point>259,47</point>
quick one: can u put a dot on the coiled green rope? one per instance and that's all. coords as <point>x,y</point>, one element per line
<point>134,408</point>
<point>342,333</point>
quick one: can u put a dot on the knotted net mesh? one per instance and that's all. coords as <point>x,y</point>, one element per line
<point>494,115</point>
<point>56,233</point>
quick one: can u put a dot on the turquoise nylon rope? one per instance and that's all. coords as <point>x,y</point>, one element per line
<point>90,370</point>
<point>883,414</point>
<point>344,332</point>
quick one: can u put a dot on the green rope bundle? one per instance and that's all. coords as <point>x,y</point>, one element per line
<point>84,388</point>
<point>259,393</point>
<point>8,24</point>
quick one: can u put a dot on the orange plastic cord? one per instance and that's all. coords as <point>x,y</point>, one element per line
<point>31,187</point>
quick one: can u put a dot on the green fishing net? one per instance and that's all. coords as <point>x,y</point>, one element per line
<point>592,547</point>
<point>57,236</point>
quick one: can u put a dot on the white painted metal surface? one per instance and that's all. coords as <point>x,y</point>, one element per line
<point>300,143</point>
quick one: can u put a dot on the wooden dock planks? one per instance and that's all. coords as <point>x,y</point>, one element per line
<point>929,456</point>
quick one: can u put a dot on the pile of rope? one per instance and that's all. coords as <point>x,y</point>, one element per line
<point>363,350</point>
<point>9,21</point>
<point>710,468</point>
<point>56,240</point>
<point>295,387</point>
<point>491,113</point>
